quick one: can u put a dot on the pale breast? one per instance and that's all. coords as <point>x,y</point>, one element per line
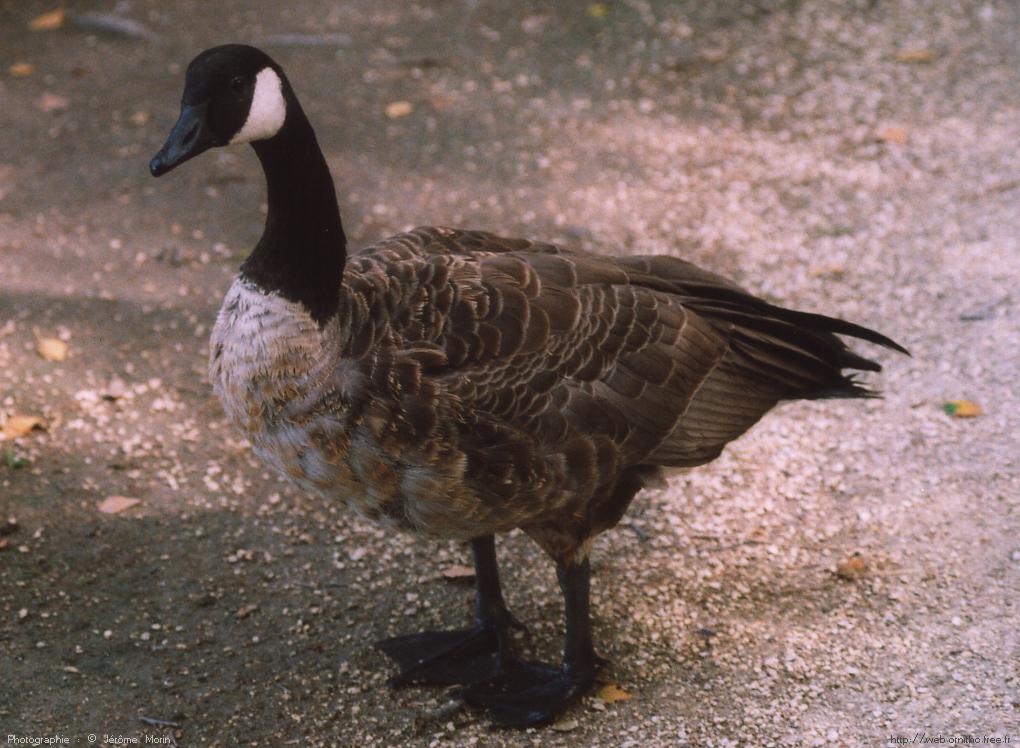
<point>265,359</point>
<point>262,346</point>
<point>324,422</point>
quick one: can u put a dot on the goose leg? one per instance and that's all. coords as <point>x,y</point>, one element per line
<point>531,693</point>
<point>471,655</point>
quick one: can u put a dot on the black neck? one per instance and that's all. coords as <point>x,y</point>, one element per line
<point>302,251</point>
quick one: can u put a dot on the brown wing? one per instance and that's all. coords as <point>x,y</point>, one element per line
<point>552,343</point>
<point>664,360</point>
<point>773,354</point>
<point>505,383</point>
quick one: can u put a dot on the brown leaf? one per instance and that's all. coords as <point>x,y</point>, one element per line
<point>611,693</point>
<point>7,185</point>
<point>892,134</point>
<point>441,103</point>
<point>534,24</point>
<point>852,568</point>
<point>245,610</point>
<point>16,425</point>
<point>458,572</point>
<point>21,69</point>
<point>565,725</point>
<point>835,271</point>
<point>48,21</point>
<point>398,109</point>
<point>915,55</point>
<point>51,102</point>
<point>962,408</point>
<point>117,504</point>
<point>51,349</point>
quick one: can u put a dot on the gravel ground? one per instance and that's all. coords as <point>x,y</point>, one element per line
<point>846,574</point>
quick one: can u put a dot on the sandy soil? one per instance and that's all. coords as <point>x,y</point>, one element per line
<point>854,158</point>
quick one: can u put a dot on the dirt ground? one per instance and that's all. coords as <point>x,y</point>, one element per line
<point>853,158</point>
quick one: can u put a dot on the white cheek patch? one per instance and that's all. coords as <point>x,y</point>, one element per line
<point>268,109</point>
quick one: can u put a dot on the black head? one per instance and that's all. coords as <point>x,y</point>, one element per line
<point>232,94</point>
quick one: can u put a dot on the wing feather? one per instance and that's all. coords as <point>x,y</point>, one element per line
<point>666,360</point>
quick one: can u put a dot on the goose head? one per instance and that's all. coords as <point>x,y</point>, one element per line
<point>232,94</point>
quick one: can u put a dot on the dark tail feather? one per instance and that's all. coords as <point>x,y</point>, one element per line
<point>714,295</point>
<point>799,352</point>
<point>851,388</point>
<point>830,324</point>
<point>792,354</point>
<point>731,300</point>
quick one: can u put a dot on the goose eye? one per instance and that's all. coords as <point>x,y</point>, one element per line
<point>237,84</point>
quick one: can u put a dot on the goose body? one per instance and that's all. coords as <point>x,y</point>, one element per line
<point>460,384</point>
<point>470,384</point>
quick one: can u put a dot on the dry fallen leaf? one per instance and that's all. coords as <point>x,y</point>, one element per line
<point>51,102</point>
<point>48,21</point>
<point>713,55</point>
<point>962,408</point>
<point>566,725</point>
<point>835,270</point>
<point>52,349</point>
<point>892,134</point>
<point>245,610</point>
<point>598,10</point>
<point>915,56</point>
<point>6,182</point>
<point>16,426</point>
<point>852,568</point>
<point>21,69</point>
<point>117,504</point>
<point>397,109</point>
<point>534,24</point>
<point>441,103</point>
<point>458,572</point>
<point>611,693</point>
<point>139,118</point>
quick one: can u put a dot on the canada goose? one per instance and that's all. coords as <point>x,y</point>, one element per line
<point>460,384</point>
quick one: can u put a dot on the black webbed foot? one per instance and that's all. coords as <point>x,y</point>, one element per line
<point>530,693</point>
<point>446,658</point>
<point>466,656</point>
<point>526,694</point>
<point>516,693</point>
